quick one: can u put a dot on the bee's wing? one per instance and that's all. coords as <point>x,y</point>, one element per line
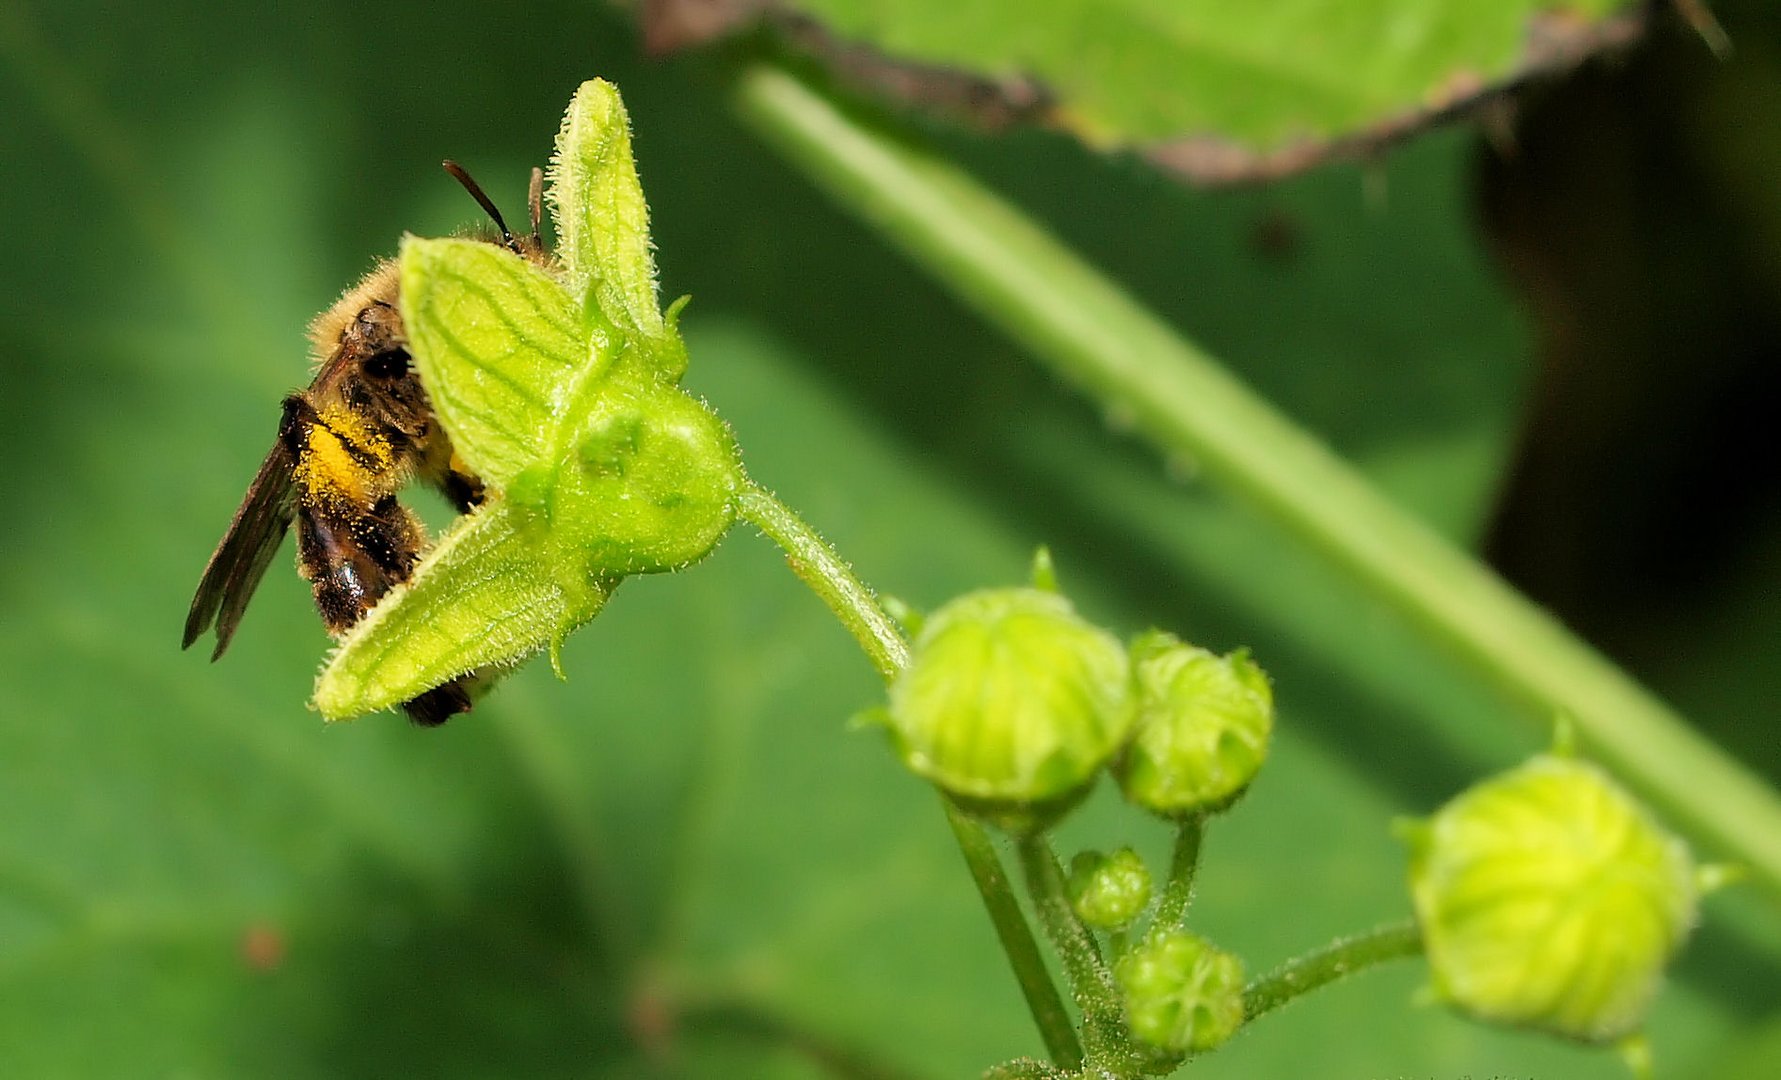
<point>235,569</point>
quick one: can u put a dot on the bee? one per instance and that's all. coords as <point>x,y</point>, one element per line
<point>345,448</point>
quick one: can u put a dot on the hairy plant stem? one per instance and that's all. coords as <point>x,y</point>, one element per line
<point>827,575</point>
<point>1171,909</point>
<point>1081,324</point>
<point>1091,983</point>
<point>822,569</point>
<point>1321,967</point>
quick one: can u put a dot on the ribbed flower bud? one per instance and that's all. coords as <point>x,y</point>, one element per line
<point>1548,898</point>
<point>1011,700</point>
<point>1109,891</point>
<point>1181,993</point>
<point>1203,727</point>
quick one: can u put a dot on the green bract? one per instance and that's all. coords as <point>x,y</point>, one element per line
<point>1181,993</point>
<point>1203,727</point>
<point>1011,697</point>
<point>558,384</point>
<point>597,204</point>
<point>1549,899</point>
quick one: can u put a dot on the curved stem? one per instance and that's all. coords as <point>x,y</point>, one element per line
<point>1334,961</point>
<point>827,575</point>
<point>1171,910</point>
<point>1081,324</point>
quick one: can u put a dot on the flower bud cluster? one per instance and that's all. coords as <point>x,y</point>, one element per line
<point>1545,897</point>
<point>1012,703</point>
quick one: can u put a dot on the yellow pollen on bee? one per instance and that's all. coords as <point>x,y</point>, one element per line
<point>329,470</point>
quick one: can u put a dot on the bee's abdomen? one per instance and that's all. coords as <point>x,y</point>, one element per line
<point>342,462</point>
<point>392,538</point>
<point>347,582</point>
<point>352,560</point>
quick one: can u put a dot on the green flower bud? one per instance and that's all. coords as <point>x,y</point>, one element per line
<point>1011,699</point>
<point>1548,898</point>
<point>1203,727</point>
<point>1109,891</point>
<point>1181,993</point>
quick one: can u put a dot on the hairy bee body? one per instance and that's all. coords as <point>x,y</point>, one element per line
<point>346,446</point>
<point>359,433</point>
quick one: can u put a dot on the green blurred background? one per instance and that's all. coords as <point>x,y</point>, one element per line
<point>680,862</point>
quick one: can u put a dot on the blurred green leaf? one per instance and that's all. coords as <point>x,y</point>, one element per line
<point>680,862</point>
<point>1217,92</point>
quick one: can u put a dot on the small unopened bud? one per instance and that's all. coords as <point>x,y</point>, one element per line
<point>1011,698</point>
<point>1181,993</point>
<point>1203,727</point>
<point>1548,898</point>
<point>1109,891</point>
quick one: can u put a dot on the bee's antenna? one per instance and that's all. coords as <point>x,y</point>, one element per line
<point>535,200</point>
<point>457,173</point>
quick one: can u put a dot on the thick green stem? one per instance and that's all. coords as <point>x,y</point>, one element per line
<point>822,569</point>
<point>1178,893</point>
<point>1055,1026</point>
<point>1081,324</point>
<point>1090,981</point>
<point>1337,960</point>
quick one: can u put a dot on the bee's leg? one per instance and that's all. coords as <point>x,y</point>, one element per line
<point>443,702</point>
<point>293,430</point>
<point>463,488</point>
<point>438,705</point>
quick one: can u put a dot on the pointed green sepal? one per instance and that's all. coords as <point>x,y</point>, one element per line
<point>904,614</point>
<point>1635,1053</point>
<point>499,346</point>
<point>597,203</point>
<point>486,595</point>
<point>1564,735</point>
<point>1711,877</point>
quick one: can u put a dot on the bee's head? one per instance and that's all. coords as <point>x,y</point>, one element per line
<point>384,387</point>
